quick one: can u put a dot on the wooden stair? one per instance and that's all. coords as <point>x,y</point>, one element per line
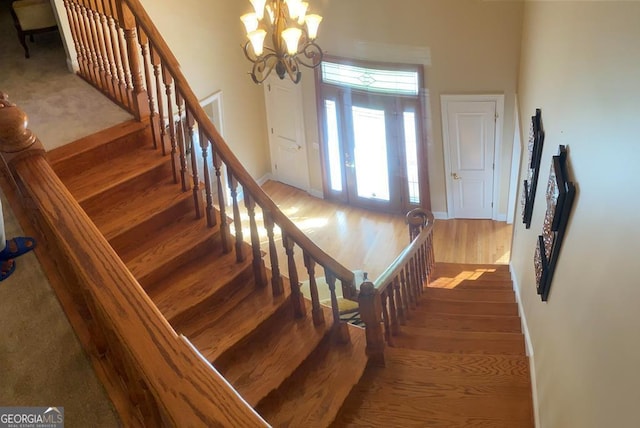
<point>289,369</point>
<point>458,362</point>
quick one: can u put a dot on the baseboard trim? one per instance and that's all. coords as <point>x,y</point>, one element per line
<point>268,176</point>
<point>501,217</point>
<point>528,346</point>
<point>316,193</point>
<point>441,215</point>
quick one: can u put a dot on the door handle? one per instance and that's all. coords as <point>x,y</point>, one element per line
<point>455,176</point>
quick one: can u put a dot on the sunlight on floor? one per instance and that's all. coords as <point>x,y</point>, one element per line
<point>447,282</point>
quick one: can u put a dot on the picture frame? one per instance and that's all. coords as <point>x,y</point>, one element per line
<point>535,146</point>
<point>560,195</point>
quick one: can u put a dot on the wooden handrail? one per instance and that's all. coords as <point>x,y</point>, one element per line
<point>172,382</point>
<point>242,175</point>
<point>386,301</point>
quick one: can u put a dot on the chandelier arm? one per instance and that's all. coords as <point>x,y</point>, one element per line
<point>312,52</point>
<point>263,67</point>
<point>292,67</point>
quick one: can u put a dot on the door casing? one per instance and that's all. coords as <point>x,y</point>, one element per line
<point>444,102</point>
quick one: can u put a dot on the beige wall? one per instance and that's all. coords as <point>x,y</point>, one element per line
<point>474,49</point>
<point>581,66</point>
<point>206,37</point>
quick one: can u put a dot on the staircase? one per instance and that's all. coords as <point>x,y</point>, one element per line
<point>290,369</point>
<point>458,362</point>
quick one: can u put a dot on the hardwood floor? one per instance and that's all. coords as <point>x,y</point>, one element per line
<point>370,241</point>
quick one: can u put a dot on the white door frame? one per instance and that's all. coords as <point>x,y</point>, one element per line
<point>444,102</point>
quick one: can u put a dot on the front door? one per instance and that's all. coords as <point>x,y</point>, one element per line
<point>286,133</point>
<point>469,132</point>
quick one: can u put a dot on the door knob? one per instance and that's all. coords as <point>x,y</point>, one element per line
<point>455,176</point>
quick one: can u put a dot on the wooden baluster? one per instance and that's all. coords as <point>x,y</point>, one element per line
<point>182,147</point>
<point>153,116</point>
<point>73,25</point>
<point>385,319</point>
<point>197,193</point>
<point>276,278</point>
<point>168,82</point>
<point>340,328</point>
<point>117,54</point>
<point>393,312</point>
<point>414,280</point>
<point>259,271</point>
<point>421,271</point>
<point>102,51</point>
<point>237,221</point>
<point>85,30</point>
<point>108,41</point>
<point>432,257</point>
<point>155,61</point>
<point>370,306</point>
<point>405,294</point>
<point>122,43</point>
<point>399,301</point>
<point>297,299</point>
<point>224,221</point>
<point>210,213</point>
<point>316,309</point>
<point>406,275</point>
<point>135,81</point>
<point>82,40</point>
<point>87,14</point>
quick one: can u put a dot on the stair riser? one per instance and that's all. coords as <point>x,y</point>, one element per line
<point>467,308</point>
<point>462,323</point>
<point>179,257</point>
<point>136,184</point>
<point>124,241</point>
<point>503,296</point>
<point>135,136</point>
<point>234,290</point>
<point>463,346</point>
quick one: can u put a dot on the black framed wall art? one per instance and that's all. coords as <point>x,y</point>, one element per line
<point>536,142</point>
<point>560,195</point>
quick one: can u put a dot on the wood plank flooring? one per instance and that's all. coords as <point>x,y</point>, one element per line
<point>370,241</point>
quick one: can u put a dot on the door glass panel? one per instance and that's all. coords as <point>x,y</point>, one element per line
<point>411,156</point>
<point>370,153</point>
<point>333,144</point>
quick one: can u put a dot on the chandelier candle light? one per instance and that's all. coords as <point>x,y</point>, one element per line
<point>293,35</point>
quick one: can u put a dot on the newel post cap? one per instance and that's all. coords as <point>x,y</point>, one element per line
<point>14,135</point>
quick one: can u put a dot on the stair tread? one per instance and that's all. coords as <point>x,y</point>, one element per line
<point>92,142</point>
<point>178,238</point>
<point>115,217</point>
<point>313,395</point>
<point>261,362</point>
<point>93,181</point>
<point>467,307</point>
<point>507,296</point>
<point>213,335</point>
<point>505,323</point>
<point>196,282</point>
<point>473,342</point>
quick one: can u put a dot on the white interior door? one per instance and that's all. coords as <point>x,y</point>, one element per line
<point>469,130</point>
<point>289,163</point>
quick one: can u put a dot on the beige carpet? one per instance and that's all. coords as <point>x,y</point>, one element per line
<point>41,360</point>
<point>56,101</point>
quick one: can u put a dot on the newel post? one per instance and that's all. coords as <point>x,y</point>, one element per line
<point>16,141</point>
<point>370,313</point>
<point>140,98</point>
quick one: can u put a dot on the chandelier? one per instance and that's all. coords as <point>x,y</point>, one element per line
<point>293,34</point>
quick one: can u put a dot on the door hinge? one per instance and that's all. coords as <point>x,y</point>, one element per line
<point>496,117</point>
<point>275,166</point>
<point>272,130</point>
<point>491,204</point>
<point>269,87</point>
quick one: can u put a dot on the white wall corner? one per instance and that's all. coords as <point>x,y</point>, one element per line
<point>501,217</point>
<point>72,65</point>
<point>268,176</point>
<point>441,215</point>
<point>316,193</point>
<point>528,346</point>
